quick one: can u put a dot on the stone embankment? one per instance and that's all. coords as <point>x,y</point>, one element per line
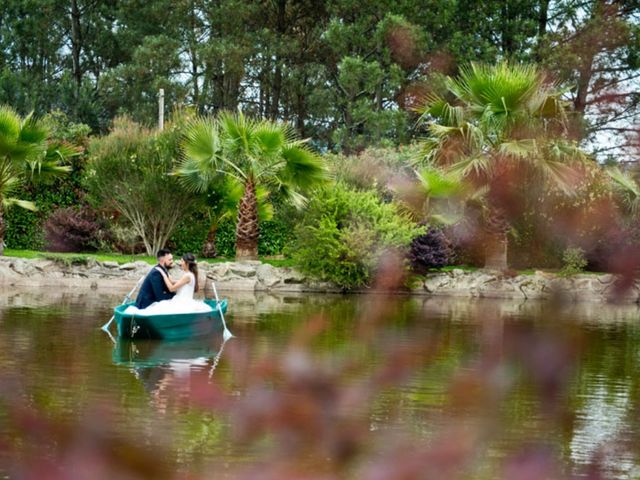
<point>97,275</point>
<point>261,277</point>
<point>539,286</point>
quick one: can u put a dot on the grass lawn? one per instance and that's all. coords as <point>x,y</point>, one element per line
<point>119,258</point>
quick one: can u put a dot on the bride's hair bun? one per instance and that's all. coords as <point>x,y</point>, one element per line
<point>190,258</point>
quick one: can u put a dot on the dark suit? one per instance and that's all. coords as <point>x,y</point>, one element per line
<point>153,289</point>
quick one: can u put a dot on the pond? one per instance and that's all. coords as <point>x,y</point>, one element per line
<point>322,387</point>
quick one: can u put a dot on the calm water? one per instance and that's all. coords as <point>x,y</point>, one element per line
<point>511,379</point>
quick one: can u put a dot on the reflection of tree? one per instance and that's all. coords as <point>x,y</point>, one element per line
<point>605,399</point>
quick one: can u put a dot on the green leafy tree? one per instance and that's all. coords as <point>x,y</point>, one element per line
<point>25,154</point>
<point>128,174</point>
<point>491,121</point>
<point>345,233</point>
<point>255,153</point>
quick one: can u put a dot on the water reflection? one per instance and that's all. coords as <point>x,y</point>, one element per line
<point>501,377</point>
<point>166,368</point>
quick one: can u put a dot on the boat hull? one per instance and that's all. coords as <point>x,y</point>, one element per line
<point>169,327</point>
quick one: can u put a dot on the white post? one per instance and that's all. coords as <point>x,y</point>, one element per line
<point>161,109</point>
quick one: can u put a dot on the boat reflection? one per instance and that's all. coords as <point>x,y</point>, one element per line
<point>170,371</point>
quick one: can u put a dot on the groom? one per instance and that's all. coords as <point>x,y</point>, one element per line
<point>153,288</point>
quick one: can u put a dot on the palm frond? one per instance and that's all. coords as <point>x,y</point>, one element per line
<point>193,177</point>
<point>10,124</point>
<point>477,164</point>
<point>627,187</point>
<point>520,149</point>
<point>27,205</point>
<point>269,138</point>
<point>303,169</point>
<point>202,141</point>
<point>439,184</point>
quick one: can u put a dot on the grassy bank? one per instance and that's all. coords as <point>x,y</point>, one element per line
<point>77,258</point>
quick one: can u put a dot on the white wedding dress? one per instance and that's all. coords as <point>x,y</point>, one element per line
<point>183,302</point>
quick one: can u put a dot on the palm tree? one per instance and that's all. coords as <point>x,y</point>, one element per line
<point>256,154</point>
<point>492,121</point>
<point>25,154</point>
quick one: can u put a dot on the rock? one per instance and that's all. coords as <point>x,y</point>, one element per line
<point>218,271</point>
<point>323,287</point>
<point>237,284</point>
<point>7,273</point>
<point>292,276</point>
<point>457,272</point>
<point>91,262</point>
<point>267,275</point>
<point>435,282</point>
<point>19,266</point>
<point>608,278</point>
<point>44,265</point>
<point>244,269</point>
<point>128,266</point>
<point>110,264</point>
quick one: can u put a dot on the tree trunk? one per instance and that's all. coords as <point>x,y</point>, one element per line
<point>193,51</point>
<point>76,46</point>
<point>209,248</point>
<point>496,252</point>
<point>247,231</point>
<point>277,78</point>
<point>2,229</point>
<point>496,228</point>
<point>543,19</point>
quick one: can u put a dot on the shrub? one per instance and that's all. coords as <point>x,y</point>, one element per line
<point>226,239</point>
<point>430,250</point>
<point>373,168</point>
<point>128,173</point>
<point>72,229</point>
<point>345,233</point>
<point>190,234</point>
<point>574,261</point>
<point>25,228</point>
<point>275,237</point>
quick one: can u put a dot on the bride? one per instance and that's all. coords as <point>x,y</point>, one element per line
<point>185,287</point>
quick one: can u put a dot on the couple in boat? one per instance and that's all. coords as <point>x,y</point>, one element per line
<point>159,295</point>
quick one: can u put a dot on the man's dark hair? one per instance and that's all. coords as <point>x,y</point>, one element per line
<point>162,252</point>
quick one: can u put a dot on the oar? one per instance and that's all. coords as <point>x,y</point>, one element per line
<point>105,327</point>
<point>227,333</point>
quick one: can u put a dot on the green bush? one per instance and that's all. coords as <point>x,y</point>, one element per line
<point>344,234</point>
<point>190,234</point>
<point>275,236</point>
<point>25,228</point>
<point>574,261</point>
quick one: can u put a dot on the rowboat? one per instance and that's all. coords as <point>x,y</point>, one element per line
<point>173,326</point>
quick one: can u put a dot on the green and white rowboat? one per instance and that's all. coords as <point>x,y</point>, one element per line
<point>169,327</point>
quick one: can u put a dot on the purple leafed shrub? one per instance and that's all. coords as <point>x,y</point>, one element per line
<point>431,250</point>
<point>72,229</point>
